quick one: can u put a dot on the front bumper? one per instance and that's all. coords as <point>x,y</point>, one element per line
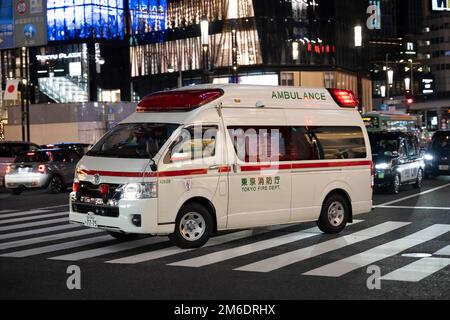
<point>119,218</point>
<point>28,180</point>
<point>434,168</point>
<point>383,179</point>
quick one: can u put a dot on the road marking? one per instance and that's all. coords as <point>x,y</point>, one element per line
<point>32,224</point>
<point>341,267</point>
<point>57,247</point>
<point>42,216</point>
<point>157,254</point>
<point>413,196</point>
<point>411,207</point>
<point>418,270</point>
<point>52,237</point>
<point>110,249</point>
<point>23,213</point>
<point>444,251</point>
<point>52,207</point>
<point>37,231</point>
<point>295,256</point>
<point>7,211</point>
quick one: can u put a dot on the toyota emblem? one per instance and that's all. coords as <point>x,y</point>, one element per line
<point>96,178</point>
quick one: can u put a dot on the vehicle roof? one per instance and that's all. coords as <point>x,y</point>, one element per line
<point>392,133</point>
<point>16,142</point>
<point>46,150</point>
<point>238,96</point>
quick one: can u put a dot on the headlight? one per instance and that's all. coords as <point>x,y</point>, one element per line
<point>428,157</point>
<point>133,191</point>
<point>382,166</point>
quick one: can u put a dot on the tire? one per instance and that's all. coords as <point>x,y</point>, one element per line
<point>419,180</point>
<point>193,226</point>
<point>396,184</point>
<point>334,215</point>
<point>123,236</point>
<point>16,191</point>
<point>56,185</point>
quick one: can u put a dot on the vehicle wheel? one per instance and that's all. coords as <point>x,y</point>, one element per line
<point>193,226</point>
<point>16,191</point>
<point>334,215</point>
<point>56,185</point>
<point>395,187</point>
<point>419,180</point>
<point>123,236</point>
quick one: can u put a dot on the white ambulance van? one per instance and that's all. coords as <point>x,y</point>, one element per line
<point>196,160</point>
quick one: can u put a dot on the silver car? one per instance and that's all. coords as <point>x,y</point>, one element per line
<point>53,169</point>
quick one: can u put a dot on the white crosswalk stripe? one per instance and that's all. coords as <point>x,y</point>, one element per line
<point>418,270</point>
<point>57,247</point>
<point>42,216</point>
<point>32,224</point>
<point>295,256</point>
<point>23,213</point>
<point>110,249</point>
<point>37,231</point>
<point>444,251</point>
<point>7,211</point>
<point>341,267</point>
<point>157,254</point>
<point>48,238</point>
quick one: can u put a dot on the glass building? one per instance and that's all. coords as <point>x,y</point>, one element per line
<point>107,50</point>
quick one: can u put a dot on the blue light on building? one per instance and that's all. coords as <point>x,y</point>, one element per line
<point>80,19</point>
<point>147,16</point>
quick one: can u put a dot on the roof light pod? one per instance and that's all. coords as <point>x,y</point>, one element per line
<point>344,98</point>
<point>176,101</point>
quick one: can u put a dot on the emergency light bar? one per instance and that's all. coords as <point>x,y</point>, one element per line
<point>344,98</point>
<point>176,101</point>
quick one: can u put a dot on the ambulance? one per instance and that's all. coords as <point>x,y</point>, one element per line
<point>200,159</point>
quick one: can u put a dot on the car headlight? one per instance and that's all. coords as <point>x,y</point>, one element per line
<point>382,166</point>
<point>132,191</point>
<point>428,157</point>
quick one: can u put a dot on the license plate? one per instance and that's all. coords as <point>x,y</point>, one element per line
<point>381,175</point>
<point>23,170</point>
<point>91,221</point>
<point>444,167</point>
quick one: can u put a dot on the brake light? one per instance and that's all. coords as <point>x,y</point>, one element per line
<point>76,186</point>
<point>41,168</point>
<point>30,154</point>
<point>344,98</point>
<point>182,100</point>
<point>104,189</point>
<point>8,170</point>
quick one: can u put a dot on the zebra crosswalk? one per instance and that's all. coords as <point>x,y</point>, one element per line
<point>47,234</point>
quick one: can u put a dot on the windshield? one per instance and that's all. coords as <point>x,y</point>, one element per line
<point>10,150</point>
<point>382,144</point>
<point>441,140</point>
<point>130,140</point>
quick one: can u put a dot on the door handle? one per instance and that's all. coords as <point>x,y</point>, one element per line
<point>214,167</point>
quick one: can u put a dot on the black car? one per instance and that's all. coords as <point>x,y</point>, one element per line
<point>80,148</point>
<point>437,157</point>
<point>397,160</point>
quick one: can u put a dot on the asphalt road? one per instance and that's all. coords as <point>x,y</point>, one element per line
<point>405,239</point>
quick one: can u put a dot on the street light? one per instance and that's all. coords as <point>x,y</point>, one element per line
<point>407,84</point>
<point>204,39</point>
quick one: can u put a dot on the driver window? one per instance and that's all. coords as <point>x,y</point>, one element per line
<point>402,150</point>
<point>193,143</point>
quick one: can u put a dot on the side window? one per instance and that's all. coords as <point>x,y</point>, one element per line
<point>402,149</point>
<point>411,147</point>
<point>261,143</point>
<point>303,145</point>
<point>339,142</point>
<point>192,144</point>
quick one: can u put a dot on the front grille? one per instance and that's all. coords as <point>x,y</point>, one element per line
<point>88,189</point>
<point>105,211</point>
